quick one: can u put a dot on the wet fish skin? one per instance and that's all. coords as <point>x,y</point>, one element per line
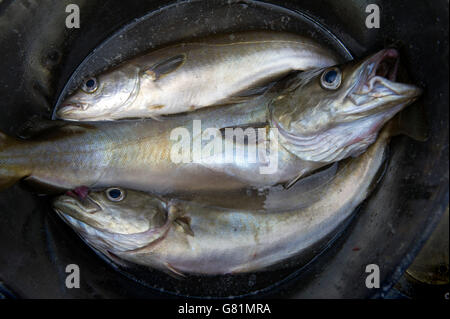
<point>221,241</point>
<point>316,127</point>
<point>328,125</point>
<point>218,70</point>
<point>134,154</point>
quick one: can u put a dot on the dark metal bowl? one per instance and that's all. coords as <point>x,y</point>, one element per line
<point>39,55</point>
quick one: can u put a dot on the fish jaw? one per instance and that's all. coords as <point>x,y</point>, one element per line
<point>322,125</point>
<point>376,90</point>
<point>77,207</point>
<point>108,242</point>
<point>201,80</point>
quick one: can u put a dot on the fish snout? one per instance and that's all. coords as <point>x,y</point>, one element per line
<point>70,109</point>
<point>377,89</point>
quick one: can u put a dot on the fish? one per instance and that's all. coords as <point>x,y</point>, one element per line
<point>218,70</point>
<point>136,154</point>
<point>344,108</point>
<point>183,238</point>
<point>306,125</point>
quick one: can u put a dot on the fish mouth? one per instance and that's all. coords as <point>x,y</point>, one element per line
<point>382,65</point>
<point>377,89</point>
<point>294,139</point>
<point>79,206</point>
<point>70,108</point>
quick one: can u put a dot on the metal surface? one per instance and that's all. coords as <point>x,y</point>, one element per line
<point>39,55</point>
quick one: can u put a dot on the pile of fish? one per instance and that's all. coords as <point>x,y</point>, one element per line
<point>111,152</point>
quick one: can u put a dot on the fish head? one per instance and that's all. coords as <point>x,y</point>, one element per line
<point>114,218</point>
<point>102,96</point>
<point>328,114</point>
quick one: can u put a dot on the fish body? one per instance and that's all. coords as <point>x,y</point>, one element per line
<point>137,154</point>
<point>315,118</point>
<point>218,70</point>
<point>196,239</point>
<point>329,114</point>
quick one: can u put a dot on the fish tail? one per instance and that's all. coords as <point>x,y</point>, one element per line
<point>9,173</point>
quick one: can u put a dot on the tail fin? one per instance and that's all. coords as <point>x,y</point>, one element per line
<point>8,174</point>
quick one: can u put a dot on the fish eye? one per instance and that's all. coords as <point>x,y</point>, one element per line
<point>115,194</point>
<point>331,79</point>
<point>90,85</point>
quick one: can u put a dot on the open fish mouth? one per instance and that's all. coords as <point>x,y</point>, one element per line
<point>377,89</point>
<point>381,66</point>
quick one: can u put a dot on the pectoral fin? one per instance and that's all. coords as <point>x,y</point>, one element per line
<point>172,271</point>
<point>293,181</point>
<point>185,223</point>
<point>179,219</point>
<point>247,94</point>
<point>302,175</point>
<point>160,69</point>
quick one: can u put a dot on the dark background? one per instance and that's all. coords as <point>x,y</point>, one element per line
<point>38,56</point>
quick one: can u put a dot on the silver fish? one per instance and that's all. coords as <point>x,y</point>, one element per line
<point>317,124</point>
<point>182,237</point>
<point>330,114</point>
<point>132,154</point>
<point>224,69</point>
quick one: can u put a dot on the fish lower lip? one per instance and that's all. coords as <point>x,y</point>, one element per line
<point>65,108</point>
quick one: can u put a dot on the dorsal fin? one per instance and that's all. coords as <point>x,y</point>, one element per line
<point>172,271</point>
